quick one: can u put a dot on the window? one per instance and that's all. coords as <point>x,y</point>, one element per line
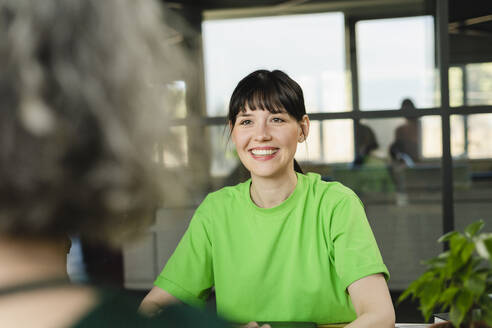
<point>480,136</point>
<point>396,61</point>
<point>471,85</point>
<point>338,141</point>
<point>479,84</point>
<point>310,48</point>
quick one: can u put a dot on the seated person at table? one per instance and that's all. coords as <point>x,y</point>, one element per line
<point>284,245</point>
<point>75,144</point>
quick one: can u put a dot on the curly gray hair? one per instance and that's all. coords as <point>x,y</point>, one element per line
<point>78,114</point>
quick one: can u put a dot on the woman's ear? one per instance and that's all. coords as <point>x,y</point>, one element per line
<point>304,124</point>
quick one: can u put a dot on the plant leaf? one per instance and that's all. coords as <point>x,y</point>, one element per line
<point>453,266</point>
<point>472,229</point>
<point>456,243</point>
<point>436,262</point>
<point>464,302</point>
<point>484,246</point>
<point>429,297</point>
<point>467,251</point>
<point>447,297</point>
<point>446,236</point>
<point>413,288</point>
<point>456,316</point>
<point>476,283</point>
<point>486,312</point>
<point>487,317</point>
<point>405,295</point>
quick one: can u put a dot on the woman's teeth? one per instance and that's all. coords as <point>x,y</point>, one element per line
<point>263,152</point>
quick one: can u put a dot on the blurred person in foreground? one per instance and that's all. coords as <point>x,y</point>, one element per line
<point>78,116</point>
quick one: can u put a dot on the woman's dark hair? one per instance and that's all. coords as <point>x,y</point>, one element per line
<point>78,106</point>
<point>274,91</point>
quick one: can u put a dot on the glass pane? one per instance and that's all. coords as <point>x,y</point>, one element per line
<point>396,61</point>
<point>457,136</point>
<point>480,136</point>
<point>310,150</point>
<point>338,141</point>
<point>473,175</point>
<point>310,48</point>
<point>432,136</point>
<point>224,157</point>
<point>455,86</point>
<point>479,84</point>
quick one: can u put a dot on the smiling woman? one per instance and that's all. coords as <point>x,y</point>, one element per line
<point>282,246</point>
<point>276,95</point>
<point>264,130</point>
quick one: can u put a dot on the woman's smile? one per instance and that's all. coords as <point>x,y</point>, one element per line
<point>263,153</point>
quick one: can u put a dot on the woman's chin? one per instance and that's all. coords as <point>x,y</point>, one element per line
<point>268,173</point>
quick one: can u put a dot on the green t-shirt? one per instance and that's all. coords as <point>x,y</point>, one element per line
<point>292,262</point>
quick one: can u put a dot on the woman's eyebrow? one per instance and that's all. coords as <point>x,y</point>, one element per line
<point>243,114</point>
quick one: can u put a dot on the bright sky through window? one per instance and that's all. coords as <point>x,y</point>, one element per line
<point>310,48</point>
<point>396,61</point>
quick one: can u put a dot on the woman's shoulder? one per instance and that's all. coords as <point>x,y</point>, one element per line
<point>332,189</point>
<point>222,203</point>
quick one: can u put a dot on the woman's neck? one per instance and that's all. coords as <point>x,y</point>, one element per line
<point>29,260</point>
<point>270,192</point>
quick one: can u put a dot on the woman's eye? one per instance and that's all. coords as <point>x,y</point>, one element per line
<point>245,122</point>
<point>277,120</point>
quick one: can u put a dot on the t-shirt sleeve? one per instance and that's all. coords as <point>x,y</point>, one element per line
<point>188,274</point>
<point>356,253</point>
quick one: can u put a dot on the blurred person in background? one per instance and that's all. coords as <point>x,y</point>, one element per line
<point>78,116</point>
<point>405,147</point>
<point>366,144</point>
<point>370,173</point>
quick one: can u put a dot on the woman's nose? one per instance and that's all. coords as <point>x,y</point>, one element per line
<point>262,133</point>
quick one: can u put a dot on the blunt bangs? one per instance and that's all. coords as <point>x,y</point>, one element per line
<point>263,99</point>
<point>264,90</point>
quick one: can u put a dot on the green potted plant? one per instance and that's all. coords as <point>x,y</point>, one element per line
<point>458,281</point>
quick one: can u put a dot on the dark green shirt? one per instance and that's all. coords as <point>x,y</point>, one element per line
<point>119,310</point>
